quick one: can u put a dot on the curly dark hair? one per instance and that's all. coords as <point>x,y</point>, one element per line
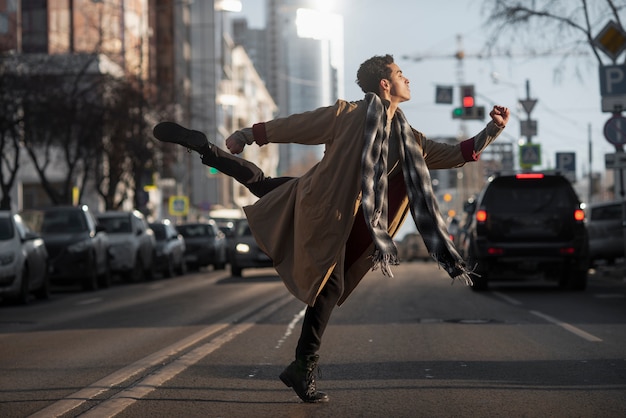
<point>372,71</point>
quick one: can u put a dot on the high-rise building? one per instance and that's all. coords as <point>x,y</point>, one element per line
<point>301,62</point>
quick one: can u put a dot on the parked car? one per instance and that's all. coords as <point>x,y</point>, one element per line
<point>77,246</point>
<point>170,249</point>
<point>244,251</point>
<point>606,233</point>
<point>23,261</point>
<point>528,225</point>
<point>131,244</point>
<point>412,248</point>
<point>205,245</point>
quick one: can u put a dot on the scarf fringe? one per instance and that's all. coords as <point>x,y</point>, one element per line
<point>458,271</point>
<point>384,261</point>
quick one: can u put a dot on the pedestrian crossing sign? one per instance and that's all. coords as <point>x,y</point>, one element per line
<point>529,155</point>
<point>178,205</point>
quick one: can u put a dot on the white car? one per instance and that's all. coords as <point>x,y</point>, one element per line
<point>23,261</point>
<point>131,244</point>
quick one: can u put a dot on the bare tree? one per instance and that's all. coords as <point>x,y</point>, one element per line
<point>10,138</point>
<point>62,125</point>
<point>564,26</point>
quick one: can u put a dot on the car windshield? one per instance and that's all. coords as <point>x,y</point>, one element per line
<point>6,229</point>
<point>243,228</point>
<point>527,196</point>
<point>605,213</point>
<point>191,231</point>
<point>63,221</point>
<point>116,225</point>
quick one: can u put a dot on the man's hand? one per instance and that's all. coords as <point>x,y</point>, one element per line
<point>238,140</point>
<point>500,115</point>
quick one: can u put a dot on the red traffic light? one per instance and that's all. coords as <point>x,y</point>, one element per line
<point>468,101</point>
<point>467,95</point>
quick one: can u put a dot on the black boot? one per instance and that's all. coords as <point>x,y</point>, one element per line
<point>300,375</point>
<point>176,134</point>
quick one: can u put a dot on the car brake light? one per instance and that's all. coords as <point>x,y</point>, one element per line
<point>495,251</point>
<point>568,251</point>
<point>529,176</point>
<point>579,215</point>
<point>481,215</point>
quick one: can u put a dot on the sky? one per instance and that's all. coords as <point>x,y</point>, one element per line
<point>568,109</point>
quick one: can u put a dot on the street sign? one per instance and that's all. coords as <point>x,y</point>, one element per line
<point>566,163</point>
<point>528,127</point>
<point>178,205</point>
<point>615,130</point>
<point>443,94</point>
<point>613,104</point>
<point>613,80</point>
<point>529,155</point>
<point>528,104</point>
<point>611,40</point>
<point>615,160</point>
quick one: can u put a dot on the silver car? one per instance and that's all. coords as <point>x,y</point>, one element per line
<point>606,234</point>
<point>23,261</point>
<point>170,249</point>
<point>131,244</point>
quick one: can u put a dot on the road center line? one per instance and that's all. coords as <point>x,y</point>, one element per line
<point>568,327</point>
<point>76,399</point>
<point>508,299</point>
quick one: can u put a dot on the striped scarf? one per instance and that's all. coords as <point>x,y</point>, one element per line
<point>422,200</point>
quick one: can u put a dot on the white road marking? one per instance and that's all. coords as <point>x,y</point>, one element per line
<point>609,295</point>
<point>296,318</point>
<point>123,399</point>
<point>89,301</point>
<point>508,299</point>
<point>568,327</point>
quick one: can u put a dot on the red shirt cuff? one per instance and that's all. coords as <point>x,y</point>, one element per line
<point>467,150</point>
<point>259,133</point>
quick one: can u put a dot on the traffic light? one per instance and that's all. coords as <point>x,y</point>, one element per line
<point>467,109</point>
<point>467,96</point>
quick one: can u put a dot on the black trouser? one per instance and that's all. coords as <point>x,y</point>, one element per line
<point>252,177</point>
<point>244,171</point>
<point>317,316</point>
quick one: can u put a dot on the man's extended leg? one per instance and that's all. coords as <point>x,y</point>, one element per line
<point>243,171</point>
<point>300,374</point>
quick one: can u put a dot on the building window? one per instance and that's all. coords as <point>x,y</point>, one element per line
<point>34,26</point>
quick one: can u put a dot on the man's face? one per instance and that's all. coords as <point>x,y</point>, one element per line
<point>400,89</point>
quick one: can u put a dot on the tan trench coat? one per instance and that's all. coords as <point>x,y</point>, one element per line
<point>306,223</point>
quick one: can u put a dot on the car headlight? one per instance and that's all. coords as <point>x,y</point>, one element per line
<point>242,248</point>
<point>79,246</point>
<point>7,258</point>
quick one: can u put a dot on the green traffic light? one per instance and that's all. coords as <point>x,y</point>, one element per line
<point>213,170</point>
<point>458,111</point>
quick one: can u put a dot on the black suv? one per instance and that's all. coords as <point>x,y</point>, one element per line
<point>527,225</point>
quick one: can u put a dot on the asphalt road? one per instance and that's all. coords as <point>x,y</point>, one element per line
<point>208,345</point>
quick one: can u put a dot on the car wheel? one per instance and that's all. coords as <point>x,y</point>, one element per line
<point>104,280</point>
<point>182,267</point>
<point>148,273</point>
<point>23,296</point>
<point>574,279</point>
<point>90,281</point>
<point>235,270</point>
<point>136,274</point>
<point>44,290</point>
<point>169,268</point>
